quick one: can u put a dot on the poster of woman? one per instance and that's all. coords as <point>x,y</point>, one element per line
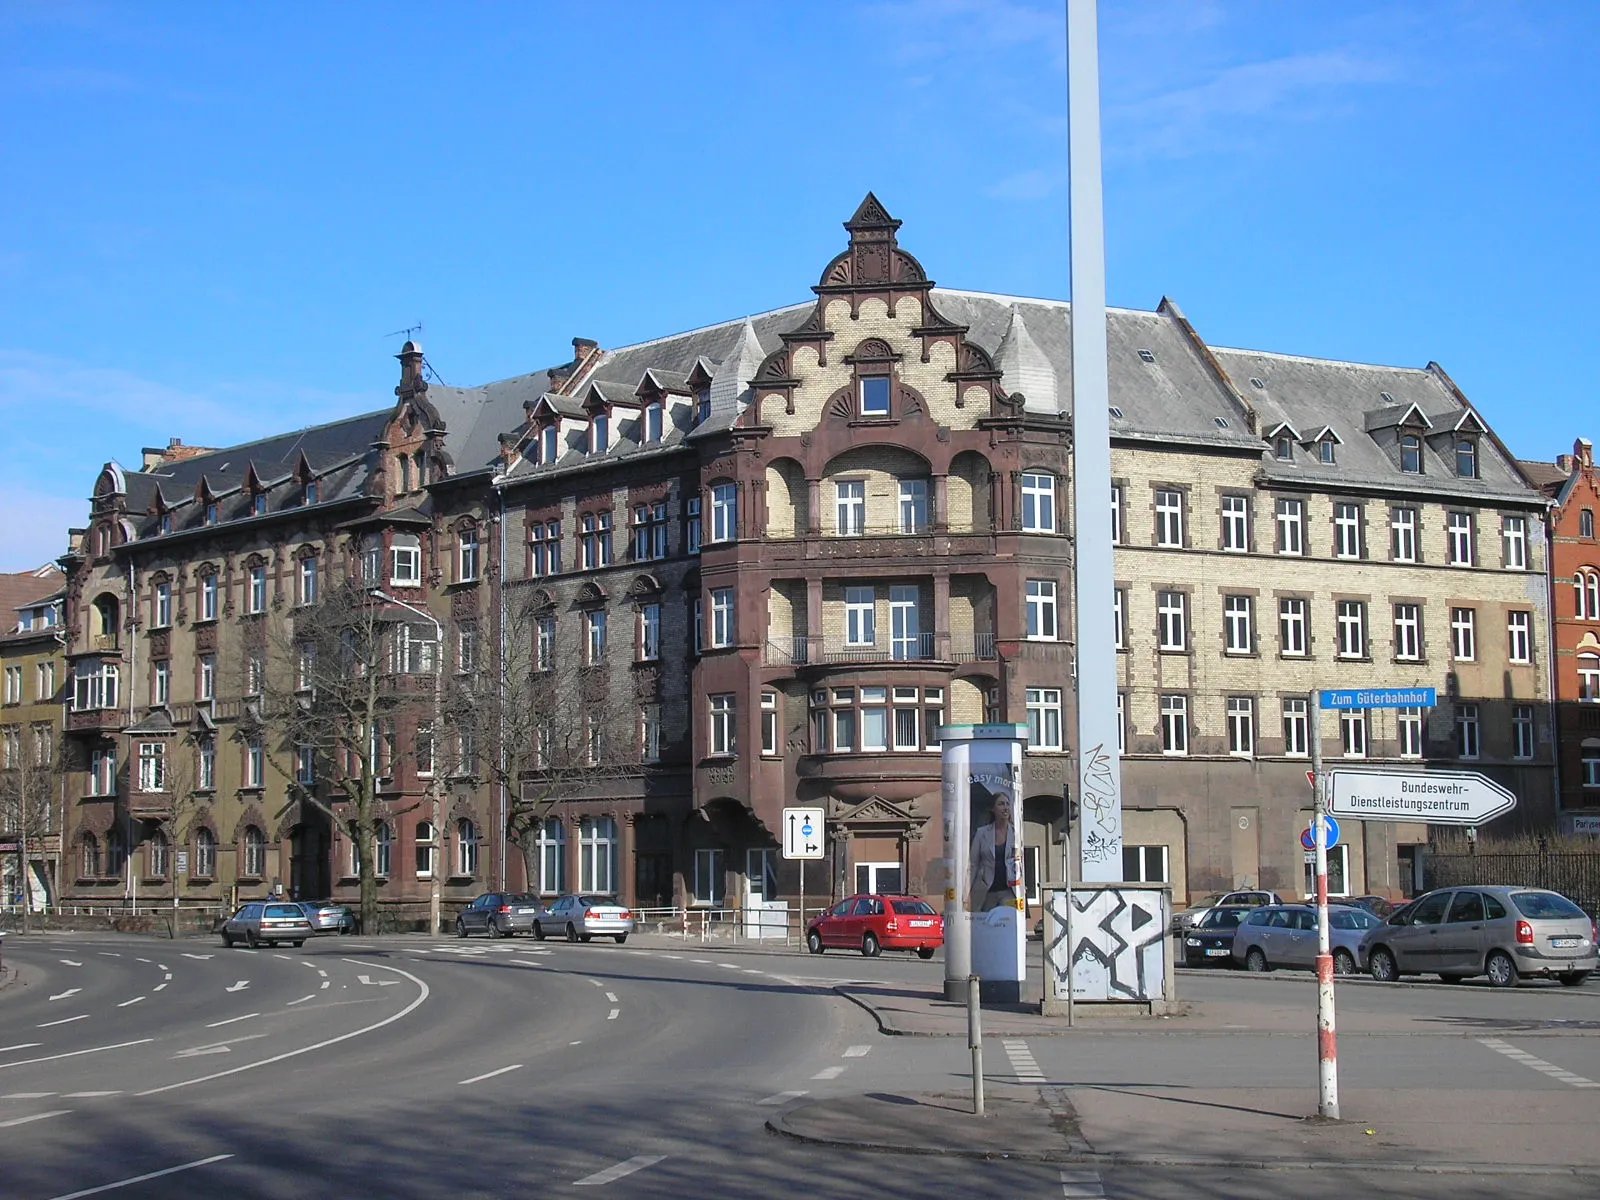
<point>995,861</point>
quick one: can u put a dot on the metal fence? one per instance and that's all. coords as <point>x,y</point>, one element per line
<point>1575,874</point>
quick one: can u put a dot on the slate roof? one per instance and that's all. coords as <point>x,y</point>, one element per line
<point>24,589</point>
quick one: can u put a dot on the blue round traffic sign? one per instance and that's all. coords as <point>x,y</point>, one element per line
<point>1331,829</point>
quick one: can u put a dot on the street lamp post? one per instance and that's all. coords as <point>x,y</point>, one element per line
<point>435,805</point>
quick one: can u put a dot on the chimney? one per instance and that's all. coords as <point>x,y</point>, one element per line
<point>410,357</point>
<point>1564,463</point>
<point>155,457</point>
<point>1583,451</point>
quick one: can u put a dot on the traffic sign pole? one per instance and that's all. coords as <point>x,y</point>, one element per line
<point>1327,1035</point>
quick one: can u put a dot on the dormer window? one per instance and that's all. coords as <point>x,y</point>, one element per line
<point>1466,458</point>
<point>549,436</point>
<point>702,403</point>
<point>211,513</point>
<point>310,493</point>
<point>1411,454</point>
<point>875,396</point>
<point>599,433</point>
<point>1325,451</point>
<point>1283,447</point>
<point>259,505</point>
<point>166,522</point>
<point>653,415</point>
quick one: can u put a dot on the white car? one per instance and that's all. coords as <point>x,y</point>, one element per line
<point>1248,897</point>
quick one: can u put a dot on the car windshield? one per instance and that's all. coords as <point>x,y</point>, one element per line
<point>1352,918</point>
<point>1546,905</point>
<point>1222,918</point>
<point>1214,898</point>
<point>914,908</point>
<point>592,900</point>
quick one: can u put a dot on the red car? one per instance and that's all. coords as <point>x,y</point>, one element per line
<point>872,924</point>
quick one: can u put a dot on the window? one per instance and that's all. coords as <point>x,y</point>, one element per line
<point>161,682</point>
<point>649,531</point>
<point>1283,447</point>
<point>915,506</point>
<point>1236,524</point>
<point>649,633</point>
<point>1519,632</point>
<point>1039,503</point>
<point>13,685</point>
<point>594,623</point>
<point>405,566</point>
<point>256,591</point>
<point>208,677</point>
<point>103,771</point>
<point>1459,539</point>
<point>1122,723</point>
<point>208,596</point>
<point>1403,534</point>
<point>599,433</point>
<point>698,620</point>
<point>311,492</point>
<point>1408,730</point>
<point>94,685</point>
<point>205,853</point>
<point>907,720</point>
<point>1352,627</point>
<point>1291,527</point>
<point>653,422</point>
<point>1238,636</point>
<point>1169,517</point>
<point>1353,732</point>
<point>1293,635</point>
<point>255,674</point>
<point>691,525</point>
<point>1325,450</point>
<point>1296,728</point>
<point>471,549</point>
<point>1041,602</point>
<point>1144,864</point>
<point>875,396</point>
<point>874,718</point>
<point>722,724</point>
<point>1464,634</point>
<point>161,617</point>
<point>710,880</point>
<point>1411,454</point>
<point>769,723</point>
<point>1119,618</point>
<point>206,774</point>
<point>423,749</point>
<point>1044,718</point>
<point>305,766</point>
<point>1241,726</point>
<point>1591,763</point>
<point>905,624</point>
<point>466,848</point>
<point>722,617</point>
<point>45,682</point>
<point>597,854</point>
<point>594,541</point>
<point>550,443</point>
<point>844,720</point>
<point>1586,523</point>
<point>933,717</point>
<point>158,860</point>
<point>850,507</point>
<point>427,851</point>
<point>254,765</point>
<point>552,843</point>
<point>545,644</point>
<point>1408,632</point>
<point>1514,542</point>
<point>1347,531</point>
<point>467,650</point>
<point>152,766</point>
<point>89,856</point>
<point>1172,620</point>
<point>255,852</point>
<point>165,527</point>
<point>383,840</point>
<point>211,513</point>
<point>1467,731</point>
<point>724,513</point>
<point>1586,594</point>
<point>544,549</point>
<point>1522,731</point>
<point>860,613</point>
<point>1338,875</point>
<point>1174,724</point>
<point>1116,515</point>
<point>1466,458</point>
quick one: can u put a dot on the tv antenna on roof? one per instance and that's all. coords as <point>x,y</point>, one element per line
<point>408,332</point>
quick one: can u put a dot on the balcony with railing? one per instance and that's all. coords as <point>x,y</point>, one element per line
<point>917,647</point>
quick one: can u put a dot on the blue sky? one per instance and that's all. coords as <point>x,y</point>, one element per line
<point>213,216</point>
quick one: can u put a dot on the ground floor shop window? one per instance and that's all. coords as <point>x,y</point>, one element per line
<point>1144,864</point>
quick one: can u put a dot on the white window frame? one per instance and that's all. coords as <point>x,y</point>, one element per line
<point>722,734</point>
<point>1241,713</point>
<point>850,507</point>
<point>1408,632</point>
<point>1044,718</point>
<point>710,878</point>
<point>1469,733</point>
<point>860,617</point>
<point>1408,726</point>
<point>1236,524</point>
<point>1524,738</point>
<point>1119,618</point>
<point>152,766</point>
<point>649,633</point>
<point>1351,624</point>
<point>724,513</point>
<point>1353,732</point>
<point>1296,727</point>
<point>1291,518</point>
<point>1042,625</point>
<point>1116,515</point>
<point>1238,624</point>
<point>405,566</point>
<point>1403,534</point>
<point>1519,636</point>
<point>1174,725</point>
<point>769,723</point>
<point>722,618</point>
<point>1514,542</point>
<point>1464,634</point>
<point>594,636</point>
<point>210,590</point>
<point>1169,518</point>
<point>469,556</point>
<point>207,687</point>
<point>916,506</point>
<point>1039,502</point>
<point>1459,539</point>
<point>256,590</point>
<point>1172,621</point>
<point>1347,531</point>
<point>309,578</point>
<point>163,606</point>
<point>1294,627</point>
<point>874,719</point>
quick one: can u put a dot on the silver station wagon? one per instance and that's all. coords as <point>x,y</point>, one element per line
<point>1502,932</point>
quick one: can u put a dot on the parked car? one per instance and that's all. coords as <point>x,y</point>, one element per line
<point>327,916</point>
<point>498,914</point>
<point>262,922</point>
<point>1285,935</point>
<point>872,924</point>
<point>1209,941</point>
<point>1378,906</point>
<point>1502,932</point>
<point>581,917</point>
<point>1247,898</point>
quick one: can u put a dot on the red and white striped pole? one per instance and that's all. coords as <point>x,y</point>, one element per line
<point>1327,1033</point>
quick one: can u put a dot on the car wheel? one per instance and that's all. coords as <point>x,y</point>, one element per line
<point>814,942</point>
<point>250,939</point>
<point>925,952</point>
<point>572,932</point>
<point>870,947</point>
<point>1501,970</point>
<point>1382,966</point>
<point>1255,960</point>
<point>621,937</point>
<point>494,929</point>
<point>298,942</point>
<point>227,940</point>
<point>538,932</point>
<point>1443,978</point>
<point>461,929</point>
<point>1572,978</point>
<point>1344,963</point>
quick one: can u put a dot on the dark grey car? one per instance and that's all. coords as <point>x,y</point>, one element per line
<point>1502,932</point>
<point>498,914</point>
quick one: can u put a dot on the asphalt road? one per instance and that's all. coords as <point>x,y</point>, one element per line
<point>418,1068</point>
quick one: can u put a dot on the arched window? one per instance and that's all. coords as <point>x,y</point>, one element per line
<point>466,848</point>
<point>1411,454</point>
<point>105,622</point>
<point>157,855</point>
<point>552,858</point>
<point>255,852</point>
<point>427,851</point>
<point>89,856</point>
<point>384,839</point>
<point>116,852</point>
<point>1586,594</point>
<point>597,854</point>
<point>205,853</point>
<point>1466,458</point>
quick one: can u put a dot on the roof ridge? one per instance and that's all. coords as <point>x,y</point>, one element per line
<point>234,449</point>
<point>1312,358</point>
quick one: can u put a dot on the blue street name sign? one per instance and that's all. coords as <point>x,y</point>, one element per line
<point>1417,697</point>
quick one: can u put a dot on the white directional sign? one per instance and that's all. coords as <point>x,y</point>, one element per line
<point>1437,797</point>
<point>802,833</point>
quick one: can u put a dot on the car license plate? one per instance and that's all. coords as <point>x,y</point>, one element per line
<point>921,924</point>
<point>1565,942</point>
<point>1217,953</point>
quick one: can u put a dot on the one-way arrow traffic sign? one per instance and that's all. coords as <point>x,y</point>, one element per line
<point>802,833</point>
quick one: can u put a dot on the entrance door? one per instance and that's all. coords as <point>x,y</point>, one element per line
<point>765,915</point>
<point>879,878</point>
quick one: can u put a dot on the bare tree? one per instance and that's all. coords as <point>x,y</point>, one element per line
<point>341,681</point>
<point>27,789</point>
<point>543,723</point>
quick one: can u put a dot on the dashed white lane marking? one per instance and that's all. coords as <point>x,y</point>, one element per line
<point>489,1075</point>
<point>109,954</point>
<point>597,983</point>
<point>135,1000</point>
<point>22,1062</point>
<point>60,1112</point>
<point>312,965</point>
<point>67,962</point>
<point>122,1183</point>
<point>201,957</point>
<point>321,972</point>
<point>612,1015</point>
<point>168,975</point>
<point>162,967</point>
<point>158,987</point>
<point>858,1051</point>
<point>702,961</point>
<point>231,1020</point>
<point>611,1174</point>
<point>672,956</point>
<point>1022,1060</point>
<point>611,996</point>
<point>285,957</point>
<point>65,1020</point>
<point>325,983</point>
<point>1081,1185</point>
<point>1538,1064</point>
<point>753,971</point>
<point>87,1095</point>
<point>829,1073</point>
<point>302,1000</point>
<point>28,1096</point>
<point>20,1046</point>
<point>141,960</point>
<point>579,1042</point>
<point>782,1098</point>
<point>730,966</point>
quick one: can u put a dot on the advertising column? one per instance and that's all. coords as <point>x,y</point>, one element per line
<point>983,899</point>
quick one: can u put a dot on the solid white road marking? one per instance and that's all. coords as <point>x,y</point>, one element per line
<point>611,996</point>
<point>238,987</point>
<point>1538,1064</point>
<point>782,1098</point>
<point>858,1051</point>
<point>74,1053</point>
<point>121,1183</point>
<point>231,1020</point>
<point>1023,1064</point>
<point>67,962</point>
<point>202,957</point>
<point>65,1020</point>
<point>20,1046</point>
<point>87,1095</point>
<point>135,1000</point>
<point>60,1112</point>
<point>489,1075</point>
<point>141,960</point>
<point>302,1000</point>
<point>28,1096</point>
<point>613,1014</point>
<point>829,1073</point>
<point>1081,1185</point>
<point>158,987</point>
<point>611,1174</point>
<point>65,994</point>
